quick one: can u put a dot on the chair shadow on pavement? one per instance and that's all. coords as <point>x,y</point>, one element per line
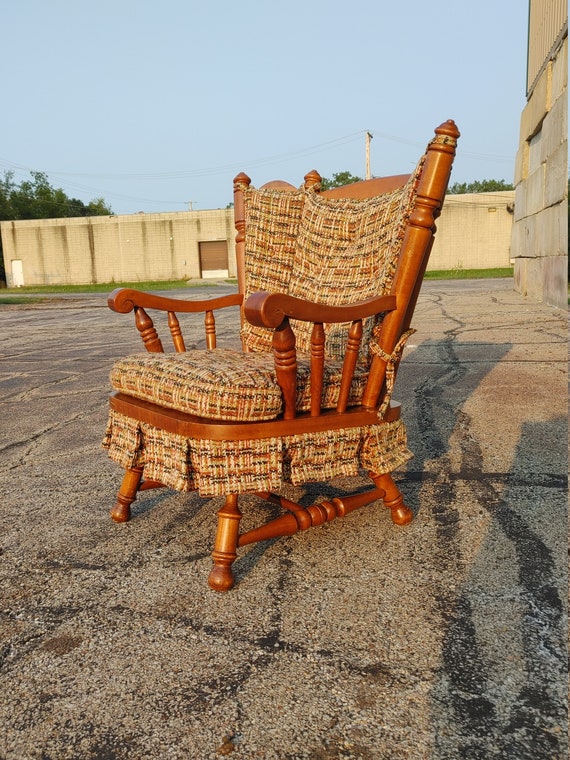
<point>500,687</point>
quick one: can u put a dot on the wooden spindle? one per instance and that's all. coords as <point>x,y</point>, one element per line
<point>286,366</point>
<point>176,333</point>
<point>317,367</point>
<point>210,327</point>
<point>241,182</point>
<point>350,359</point>
<point>146,328</point>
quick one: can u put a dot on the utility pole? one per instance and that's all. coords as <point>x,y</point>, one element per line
<point>368,138</point>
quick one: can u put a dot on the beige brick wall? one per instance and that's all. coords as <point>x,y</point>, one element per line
<point>102,249</point>
<point>474,232</point>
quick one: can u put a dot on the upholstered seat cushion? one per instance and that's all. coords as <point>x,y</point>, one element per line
<point>223,384</point>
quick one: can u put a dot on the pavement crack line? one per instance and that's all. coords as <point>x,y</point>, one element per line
<point>33,438</point>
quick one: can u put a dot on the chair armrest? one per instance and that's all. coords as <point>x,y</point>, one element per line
<point>274,310</point>
<point>270,309</point>
<point>123,300</point>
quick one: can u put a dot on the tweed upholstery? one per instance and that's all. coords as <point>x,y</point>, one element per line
<point>272,225</point>
<point>346,251</point>
<point>220,384</point>
<point>216,468</point>
<point>224,384</point>
<point>325,250</point>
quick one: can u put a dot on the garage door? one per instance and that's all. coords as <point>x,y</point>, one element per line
<point>214,258</point>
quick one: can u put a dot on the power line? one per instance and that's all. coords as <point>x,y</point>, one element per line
<point>220,169</point>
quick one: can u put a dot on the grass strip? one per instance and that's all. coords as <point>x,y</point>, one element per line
<point>440,274</point>
<point>468,274</point>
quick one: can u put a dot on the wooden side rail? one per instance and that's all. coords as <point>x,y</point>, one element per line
<point>124,300</point>
<point>275,309</point>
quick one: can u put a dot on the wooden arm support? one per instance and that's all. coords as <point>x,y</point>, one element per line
<point>274,310</point>
<point>270,309</point>
<point>124,300</point>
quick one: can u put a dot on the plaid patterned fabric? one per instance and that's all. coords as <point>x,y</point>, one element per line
<point>216,468</point>
<point>346,251</point>
<point>220,384</point>
<point>224,384</point>
<point>326,250</point>
<point>272,224</point>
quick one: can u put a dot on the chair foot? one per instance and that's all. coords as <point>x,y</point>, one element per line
<point>121,512</point>
<point>393,499</point>
<point>401,514</point>
<point>221,577</point>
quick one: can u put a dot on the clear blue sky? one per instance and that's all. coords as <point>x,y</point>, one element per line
<point>153,104</point>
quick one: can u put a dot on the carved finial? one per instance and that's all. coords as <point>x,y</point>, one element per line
<point>312,178</point>
<point>448,128</point>
<point>242,180</point>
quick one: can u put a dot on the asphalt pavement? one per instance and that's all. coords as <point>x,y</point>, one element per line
<point>358,639</point>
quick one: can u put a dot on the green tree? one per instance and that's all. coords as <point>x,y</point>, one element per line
<point>480,186</point>
<point>6,188</point>
<point>339,179</point>
<point>35,198</point>
<point>98,207</point>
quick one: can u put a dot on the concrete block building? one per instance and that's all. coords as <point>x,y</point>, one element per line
<point>540,230</point>
<point>129,248</point>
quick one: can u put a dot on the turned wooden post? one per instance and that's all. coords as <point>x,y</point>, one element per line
<point>241,182</point>
<point>286,366</point>
<point>313,178</point>
<point>317,367</point>
<point>146,328</point>
<point>210,327</point>
<point>221,577</point>
<point>350,359</point>
<point>176,332</point>
<point>415,250</point>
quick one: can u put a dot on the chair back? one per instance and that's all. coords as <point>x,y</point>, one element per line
<point>343,245</point>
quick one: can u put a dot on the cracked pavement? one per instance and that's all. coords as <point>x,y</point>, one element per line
<point>358,639</point>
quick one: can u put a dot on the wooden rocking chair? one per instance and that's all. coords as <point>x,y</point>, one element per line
<point>328,282</point>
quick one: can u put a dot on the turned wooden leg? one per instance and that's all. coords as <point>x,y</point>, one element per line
<point>121,512</point>
<point>393,499</point>
<point>221,577</point>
